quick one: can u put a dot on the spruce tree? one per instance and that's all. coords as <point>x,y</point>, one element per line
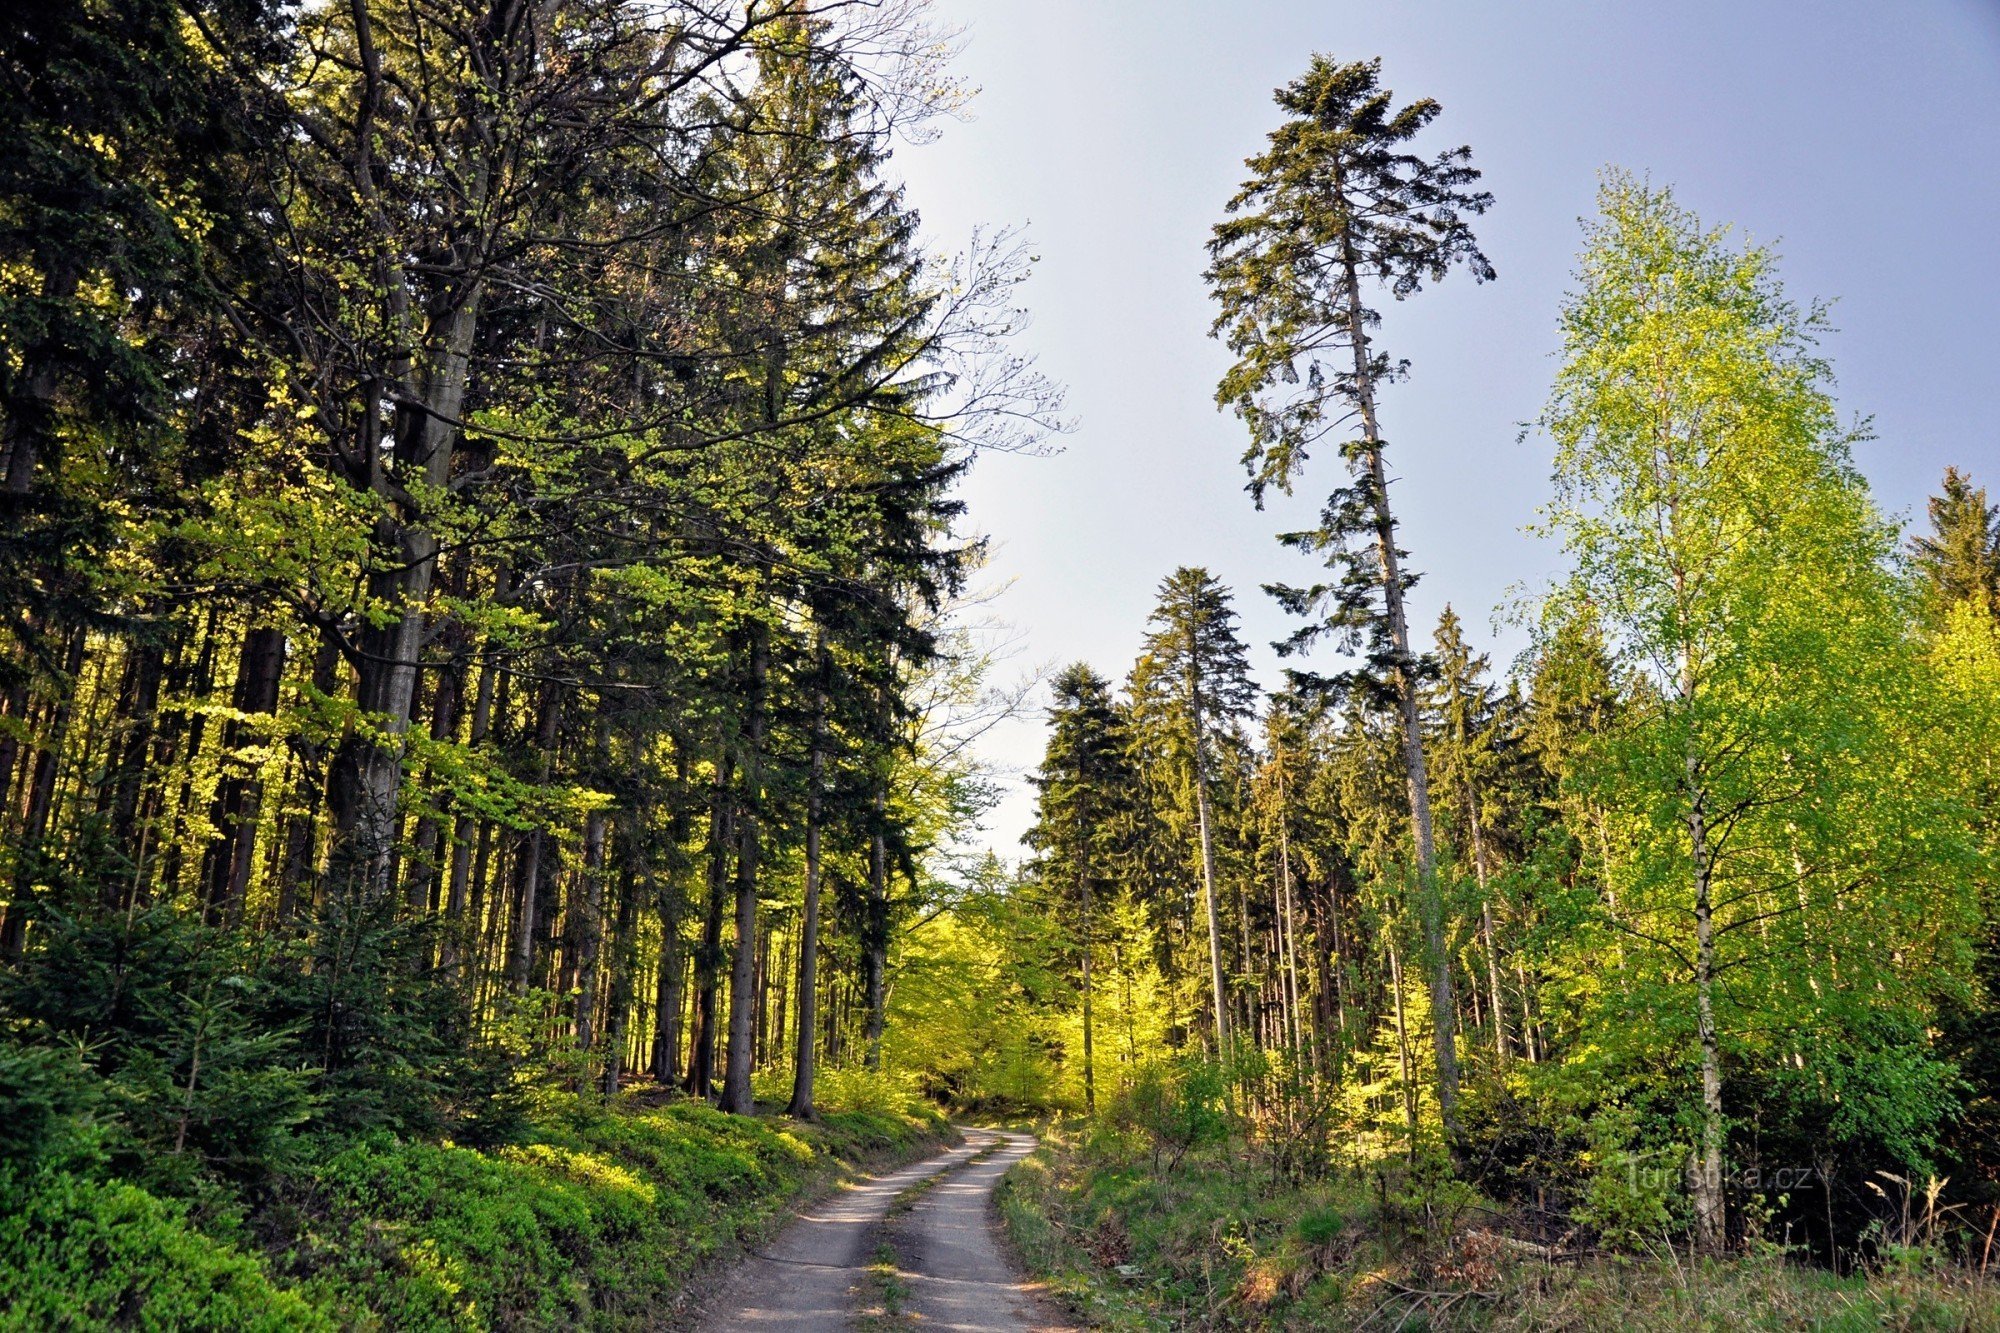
<point>1194,677</point>
<point>1960,559</point>
<point>1337,203</point>
<point>1084,784</point>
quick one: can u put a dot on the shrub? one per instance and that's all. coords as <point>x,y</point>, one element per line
<point>1178,1106</point>
<point>82,1253</point>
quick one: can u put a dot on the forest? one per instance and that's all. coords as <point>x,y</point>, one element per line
<point>493,671</point>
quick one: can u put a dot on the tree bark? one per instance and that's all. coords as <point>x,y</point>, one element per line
<point>736,1096</point>
<point>589,929</point>
<point>259,673</point>
<point>1709,1217</point>
<point>1219,992</point>
<point>708,957</point>
<point>618,1026</point>
<point>806,1034</point>
<point>528,874</point>
<point>41,802</point>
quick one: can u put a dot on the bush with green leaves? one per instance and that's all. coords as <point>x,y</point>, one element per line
<point>1178,1105</point>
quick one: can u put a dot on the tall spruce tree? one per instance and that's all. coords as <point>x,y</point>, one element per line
<point>1194,678</point>
<point>1336,204</point>
<point>1083,786</point>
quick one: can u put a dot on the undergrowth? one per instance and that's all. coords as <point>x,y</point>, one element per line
<point>1213,1243</point>
<point>595,1218</point>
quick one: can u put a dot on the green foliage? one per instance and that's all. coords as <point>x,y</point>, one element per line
<point>80,1253</point>
<point>1778,814</point>
<point>48,1101</point>
<point>1179,1106</point>
<point>593,1220</point>
<point>182,1026</point>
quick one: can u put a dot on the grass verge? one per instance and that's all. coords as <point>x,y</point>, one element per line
<point>1214,1245</point>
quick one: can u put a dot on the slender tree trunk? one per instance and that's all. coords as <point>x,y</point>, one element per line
<point>1709,1218</point>
<point>876,927</point>
<point>1288,942</point>
<point>259,674</point>
<point>469,838</point>
<point>295,876</point>
<point>589,930</point>
<point>1089,1036</point>
<point>736,1096</point>
<point>1444,1010</point>
<point>41,801</point>
<point>618,1028</point>
<point>806,1033</point>
<point>528,873</point>
<point>1486,932</point>
<point>129,783</point>
<point>420,884</point>
<point>1218,991</point>
<point>667,992</point>
<point>877,940</point>
<point>1403,1057</point>
<point>708,958</point>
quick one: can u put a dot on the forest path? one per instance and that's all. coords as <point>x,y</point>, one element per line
<point>950,1258</point>
<point>815,1275</point>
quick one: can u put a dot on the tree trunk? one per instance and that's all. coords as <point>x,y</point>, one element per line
<point>528,872</point>
<point>466,831</point>
<point>806,1034</point>
<point>295,876</point>
<point>1492,947</point>
<point>1089,1037</point>
<point>41,802</point>
<point>420,886</point>
<point>708,957</point>
<point>1709,1218</point>
<point>667,992</point>
<point>589,930</point>
<point>736,1096</point>
<point>128,785</point>
<point>618,1027</point>
<point>1444,1011</point>
<point>876,941</point>
<point>259,673</point>
<point>875,938</point>
<point>1218,991</point>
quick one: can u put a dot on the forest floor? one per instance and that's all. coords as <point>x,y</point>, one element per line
<point>919,1247</point>
<point>594,1217</point>
<point>1209,1245</point>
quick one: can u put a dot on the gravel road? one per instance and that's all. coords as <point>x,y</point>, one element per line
<point>814,1278</point>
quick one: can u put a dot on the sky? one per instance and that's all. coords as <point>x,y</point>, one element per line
<point>1861,141</point>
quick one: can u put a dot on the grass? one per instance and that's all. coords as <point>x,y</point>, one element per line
<point>1217,1245</point>
<point>892,1293</point>
<point>599,1220</point>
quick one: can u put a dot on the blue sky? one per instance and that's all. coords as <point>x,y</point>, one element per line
<point>1862,140</point>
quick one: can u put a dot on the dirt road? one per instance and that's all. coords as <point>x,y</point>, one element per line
<point>950,1257</point>
<point>814,1277</point>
